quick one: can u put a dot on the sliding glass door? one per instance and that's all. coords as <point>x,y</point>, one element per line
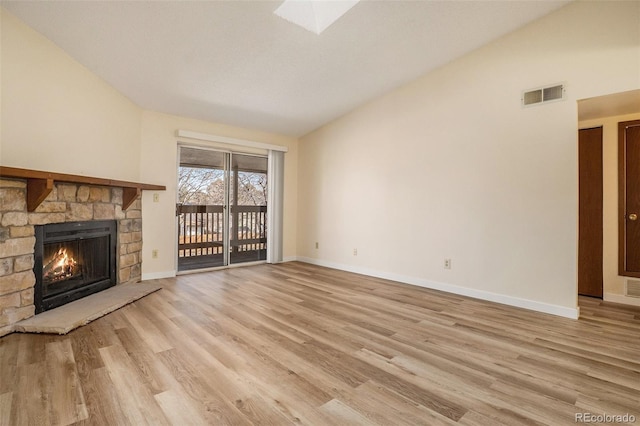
<point>222,208</point>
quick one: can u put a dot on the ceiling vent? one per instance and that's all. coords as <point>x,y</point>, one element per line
<point>543,95</point>
<point>633,288</point>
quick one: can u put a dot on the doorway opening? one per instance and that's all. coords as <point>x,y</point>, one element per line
<point>221,209</point>
<point>600,118</point>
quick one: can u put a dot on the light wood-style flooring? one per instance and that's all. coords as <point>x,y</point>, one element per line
<point>296,343</point>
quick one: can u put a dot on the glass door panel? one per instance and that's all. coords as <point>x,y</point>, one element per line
<point>201,200</point>
<point>248,202</point>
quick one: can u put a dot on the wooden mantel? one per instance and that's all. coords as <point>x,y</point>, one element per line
<point>40,184</point>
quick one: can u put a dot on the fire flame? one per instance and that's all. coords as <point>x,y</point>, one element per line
<point>64,261</point>
<point>60,267</point>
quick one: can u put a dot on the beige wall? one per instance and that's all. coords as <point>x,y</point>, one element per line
<point>58,116</point>
<point>159,165</point>
<point>451,166</point>
<point>613,284</point>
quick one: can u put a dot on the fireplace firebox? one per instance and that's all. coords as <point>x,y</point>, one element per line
<point>73,260</point>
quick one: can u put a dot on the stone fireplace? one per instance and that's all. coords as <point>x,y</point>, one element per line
<point>73,260</point>
<point>66,203</point>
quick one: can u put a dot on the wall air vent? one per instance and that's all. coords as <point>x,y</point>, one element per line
<point>633,288</point>
<point>543,95</point>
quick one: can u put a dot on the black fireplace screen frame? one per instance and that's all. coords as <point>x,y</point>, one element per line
<point>68,232</point>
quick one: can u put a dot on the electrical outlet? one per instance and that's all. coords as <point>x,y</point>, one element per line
<point>156,197</point>
<point>154,254</point>
<point>316,244</point>
<point>355,251</point>
<point>447,264</point>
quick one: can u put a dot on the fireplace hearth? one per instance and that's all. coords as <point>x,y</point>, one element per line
<point>73,260</point>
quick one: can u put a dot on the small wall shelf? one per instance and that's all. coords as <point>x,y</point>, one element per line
<point>40,184</point>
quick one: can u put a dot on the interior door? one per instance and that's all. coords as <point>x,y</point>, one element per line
<point>629,198</point>
<point>590,212</point>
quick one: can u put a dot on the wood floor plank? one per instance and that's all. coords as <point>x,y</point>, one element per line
<point>343,414</point>
<point>300,344</point>
<point>85,351</point>
<point>381,404</point>
<point>8,362</point>
<point>146,329</point>
<point>232,392</point>
<point>102,400</point>
<point>202,389</point>
<point>5,408</point>
<point>31,349</point>
<point>178,409</point>
<point>134,397</point>
<point>146,364</point>
<point>66,398</point>
<point>31,398</point>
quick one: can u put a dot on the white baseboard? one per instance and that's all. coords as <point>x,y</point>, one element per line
<point>562,311</point>
<point>290,259</point>
<point>622,299</point>
<point>158,275</point>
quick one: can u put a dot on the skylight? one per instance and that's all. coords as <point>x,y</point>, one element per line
<point>314,15</point>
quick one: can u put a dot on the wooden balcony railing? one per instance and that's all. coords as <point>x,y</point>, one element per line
<point>201,229</point>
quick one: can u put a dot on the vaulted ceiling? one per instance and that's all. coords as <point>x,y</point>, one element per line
<point>237,63</point>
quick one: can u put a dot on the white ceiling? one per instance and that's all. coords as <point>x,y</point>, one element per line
<point>237,63</point>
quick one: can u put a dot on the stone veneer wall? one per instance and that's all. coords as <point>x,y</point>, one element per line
<point>66,203</point>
